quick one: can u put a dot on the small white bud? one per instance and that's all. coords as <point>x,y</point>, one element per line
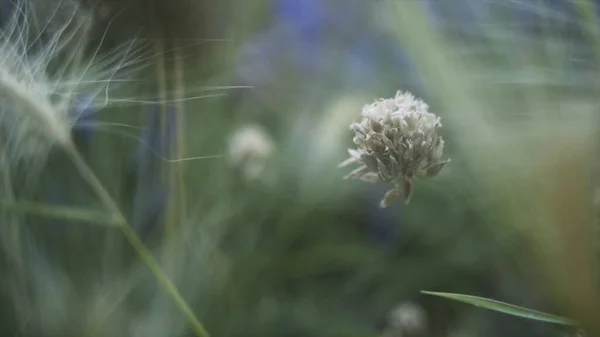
<point>250,148</point>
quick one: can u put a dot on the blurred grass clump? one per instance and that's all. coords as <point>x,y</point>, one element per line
<point>216,139</point>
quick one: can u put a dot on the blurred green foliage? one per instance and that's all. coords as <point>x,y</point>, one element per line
<point>294,255</point>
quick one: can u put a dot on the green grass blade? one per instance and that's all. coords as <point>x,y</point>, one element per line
<point>506,308</point>
<point>60,212</point>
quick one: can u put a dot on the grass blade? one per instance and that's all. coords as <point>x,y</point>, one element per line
<point>60,212</point>
<point>506,308</point>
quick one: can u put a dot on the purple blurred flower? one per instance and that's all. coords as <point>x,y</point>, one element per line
<point>307,19</point>
<point>157,137</point>
<point>300,38</point>
<point>151,195</point>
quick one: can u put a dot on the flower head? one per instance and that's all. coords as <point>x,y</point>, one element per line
<point>406,319</point>
<point>396,141</point>
<point>250,148</point>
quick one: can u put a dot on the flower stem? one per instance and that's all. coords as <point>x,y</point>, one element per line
<point>145,255</point>
<point>53,211</point>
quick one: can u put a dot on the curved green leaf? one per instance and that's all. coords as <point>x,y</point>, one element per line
<point>506,308</point>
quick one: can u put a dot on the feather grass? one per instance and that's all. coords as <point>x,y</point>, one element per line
<point>28,89</point>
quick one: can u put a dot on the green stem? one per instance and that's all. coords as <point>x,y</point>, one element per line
<point>92,180</point>
<point>70,213</point>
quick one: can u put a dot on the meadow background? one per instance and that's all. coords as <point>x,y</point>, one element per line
<point>256,227</point>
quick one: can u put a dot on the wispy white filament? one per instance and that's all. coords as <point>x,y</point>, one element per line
<point>42,73</point>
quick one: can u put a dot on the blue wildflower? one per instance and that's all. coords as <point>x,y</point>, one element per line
<point>151,192</point>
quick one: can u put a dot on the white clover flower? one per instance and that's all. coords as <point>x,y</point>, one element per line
<point>407,319</point>
<point>396,141</point>
<point>250,148</point>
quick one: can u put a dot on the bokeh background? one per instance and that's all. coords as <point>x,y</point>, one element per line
<point>257,227</point>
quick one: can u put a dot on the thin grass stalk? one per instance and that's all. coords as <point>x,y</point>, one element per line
<point>592,25</point>
<point>145,255</point>
<point>591,22</point>
<point>178,174</point>
<point>162,88</point>
<point>54,211</point>
<point>11,230</point>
